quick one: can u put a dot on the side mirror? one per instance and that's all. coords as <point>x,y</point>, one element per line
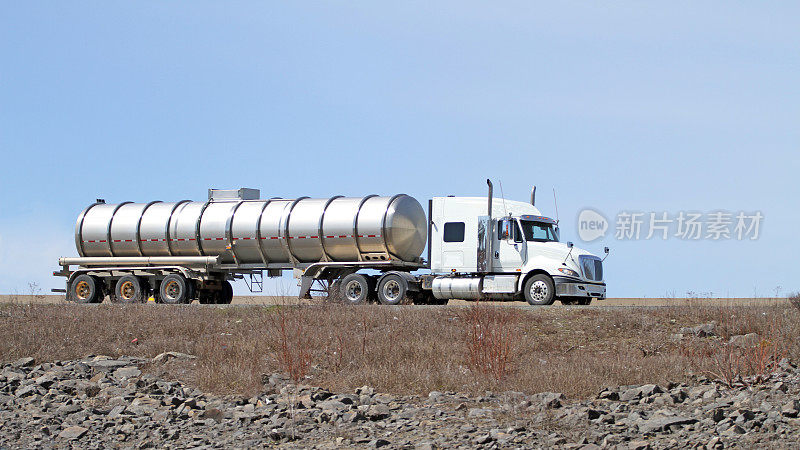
<point>570,244</point>
<point>606,250</point>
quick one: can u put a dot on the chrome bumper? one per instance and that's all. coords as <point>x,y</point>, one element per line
<point>571,287</point>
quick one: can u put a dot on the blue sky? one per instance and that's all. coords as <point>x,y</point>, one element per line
<point>619,106</point>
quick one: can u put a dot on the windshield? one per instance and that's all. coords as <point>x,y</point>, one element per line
<point>539,231</point>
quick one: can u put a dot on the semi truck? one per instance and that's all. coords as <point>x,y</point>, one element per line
<point>352,249</point>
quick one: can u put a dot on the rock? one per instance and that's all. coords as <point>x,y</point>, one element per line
<point>608,394</point>
<point>352,416</point>
<point>46,380</point>
<point>365,390</point>
<point>661,424</point>
<point>66,410</point>
<point>116,411</point>
<point>593,414</point>
<point>214,414</point>
<point>427,445</point>
<point>650,389</point>
<point>631,394</point>
<point>72,433</point>
<point>144,406</point>
<point>484,439</point>
<point>745,340</point>
<point>127,372</point>
<point>548,399</point>
<point>479,412</point>
<point>41,405</point>
<point>23,362</point>
<point>166,356</point>
<point>377,412</point>
<point>108,364</point>
<point>26,390</point>
<point>704,330</point>
<point>791,409</point>
<point>332,406</point>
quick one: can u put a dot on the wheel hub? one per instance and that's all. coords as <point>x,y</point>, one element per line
<point>353,291</point>
<point>539,290</point>
<point>391,290</point>
<point>82,290</point>
<point>127,290</point>
<point>172,290</point>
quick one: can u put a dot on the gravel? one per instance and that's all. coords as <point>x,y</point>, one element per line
<point>100,402</point>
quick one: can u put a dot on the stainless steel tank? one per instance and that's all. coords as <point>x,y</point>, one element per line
<point>258,232</point>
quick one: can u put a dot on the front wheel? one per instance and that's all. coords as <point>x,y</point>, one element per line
<point>540,290</point>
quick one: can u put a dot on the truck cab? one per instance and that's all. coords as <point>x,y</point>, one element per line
<point>513,253</point>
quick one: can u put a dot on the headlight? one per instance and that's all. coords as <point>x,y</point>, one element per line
<point>569,272</point>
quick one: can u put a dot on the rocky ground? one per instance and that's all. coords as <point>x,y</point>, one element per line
<point>100,402</point>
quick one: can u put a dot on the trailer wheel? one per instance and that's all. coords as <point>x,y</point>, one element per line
<point>392,290</point>
<point>129,289</point>
<point>85,289</point>
<point>540,290</point>
<point>355,289</point>
<point>174,289</point>
<point>226,294</point>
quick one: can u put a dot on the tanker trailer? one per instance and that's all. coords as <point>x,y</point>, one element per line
<point>177,252</point>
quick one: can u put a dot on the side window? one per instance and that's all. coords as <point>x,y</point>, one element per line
<point>516,233</point>
<point>454,232</point>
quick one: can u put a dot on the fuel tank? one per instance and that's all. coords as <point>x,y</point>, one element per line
<point>255,231</point>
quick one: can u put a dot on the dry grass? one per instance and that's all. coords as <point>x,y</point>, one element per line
<point>399,350</point>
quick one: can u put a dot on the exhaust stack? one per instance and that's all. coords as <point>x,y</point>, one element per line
<point>491,194</point>
<point>533,196</point>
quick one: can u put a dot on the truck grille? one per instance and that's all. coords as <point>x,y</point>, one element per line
<point>592,268</point>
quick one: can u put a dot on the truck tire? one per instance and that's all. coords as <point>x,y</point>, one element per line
<point>540,290</point>
<point>174,290</point>
<point>392,290</point>
<point>355,289</point>
<point>85,289</point>
<point>226,295</point>
<point>129,289</point>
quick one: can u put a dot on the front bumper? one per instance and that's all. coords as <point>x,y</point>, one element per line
<point>574,287</point>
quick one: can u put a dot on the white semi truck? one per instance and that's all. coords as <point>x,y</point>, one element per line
<point>357,250</point>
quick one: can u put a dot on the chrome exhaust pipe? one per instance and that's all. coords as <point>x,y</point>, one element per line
<point>533,196</point>
<point>491,194</point>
